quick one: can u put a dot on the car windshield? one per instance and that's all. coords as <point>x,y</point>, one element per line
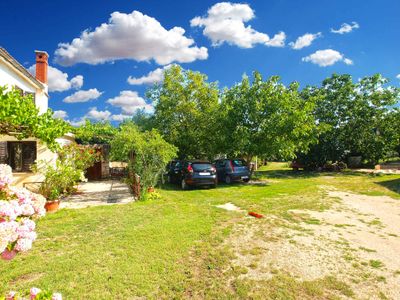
<point>238,163</point>
<point>201,166</point>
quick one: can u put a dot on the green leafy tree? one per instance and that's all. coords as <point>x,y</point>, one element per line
<point>393,120</point>
<point>95,133</point>
<point>357,118</point>
<point>265,118</point>
<point>147,152</point>
<point>20,117</point>
<point>186,107</point>
<point>143,119</point>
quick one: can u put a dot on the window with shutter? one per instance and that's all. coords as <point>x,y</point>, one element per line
<point>3,153</point>
<point>28,155</point>
<point>21,155</point>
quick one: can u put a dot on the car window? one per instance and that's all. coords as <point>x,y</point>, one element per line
<point>238,163</point>
<point>220,163</point>
<point>201,166</point>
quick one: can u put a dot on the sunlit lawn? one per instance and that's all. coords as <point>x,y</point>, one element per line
<point>149,248</point>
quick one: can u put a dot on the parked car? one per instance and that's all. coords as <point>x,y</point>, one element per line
<point>229,170</point>
<point>190,173</point>
<point>171,170</point>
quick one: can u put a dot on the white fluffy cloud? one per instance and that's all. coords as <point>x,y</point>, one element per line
<point>346,28</point>
<point>129,102</point>
<point>83,96</point>
<point>98,115</point>
<point>60,114</point>
<point>304,40</point>
<point>327,57</point>
<point>77,82</point>
<point>120,117</point>
<point>58,80</point>
<point>225,22</point>
<point>130,36</point>
<point>398,76</point>
<point>155,76</point>
<point>77,122</point>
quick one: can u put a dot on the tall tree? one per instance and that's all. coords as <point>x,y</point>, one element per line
<point>185,111</point>
<point>143,119</point>
<point>356,117</point>
<point>266,118</point>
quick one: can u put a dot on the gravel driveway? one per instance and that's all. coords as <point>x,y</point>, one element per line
<point>357,241</point>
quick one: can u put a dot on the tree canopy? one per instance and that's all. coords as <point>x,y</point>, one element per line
<point>266,118</point>
<point>359,118</point>
<point>95,133</point>
<point>185,111</point>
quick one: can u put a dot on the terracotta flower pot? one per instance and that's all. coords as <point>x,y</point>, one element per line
<point>52,206</point>
<point>8,255</point>
<point>150,189</point>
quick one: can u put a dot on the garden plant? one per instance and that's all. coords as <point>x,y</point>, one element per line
<point>19,208</point>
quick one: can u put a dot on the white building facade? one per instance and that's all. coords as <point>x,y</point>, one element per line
<point>22,154</point>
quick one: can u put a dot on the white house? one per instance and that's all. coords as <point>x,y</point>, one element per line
<point>20,155</point>
<point>13,74</point>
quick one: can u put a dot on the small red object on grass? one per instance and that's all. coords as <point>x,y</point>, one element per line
<point>255,215</point>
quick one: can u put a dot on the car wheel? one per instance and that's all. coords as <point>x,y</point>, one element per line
<point>228,179</point>
<point>184,185</point>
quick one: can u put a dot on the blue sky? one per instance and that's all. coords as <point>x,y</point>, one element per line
<point>222,40</point>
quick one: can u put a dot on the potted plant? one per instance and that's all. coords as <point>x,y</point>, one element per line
<point>53,201</point>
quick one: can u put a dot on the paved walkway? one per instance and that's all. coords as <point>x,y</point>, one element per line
<point>95,193</point>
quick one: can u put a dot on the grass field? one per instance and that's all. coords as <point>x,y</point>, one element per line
<point>175,247</point>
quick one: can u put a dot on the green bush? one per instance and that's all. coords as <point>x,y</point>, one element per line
<point>147,153</point>
<point>61,178</point>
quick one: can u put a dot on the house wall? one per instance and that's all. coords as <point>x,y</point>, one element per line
<point>11,77</point>
<point>42,154</point>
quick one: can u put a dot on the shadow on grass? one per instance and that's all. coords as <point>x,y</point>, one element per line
<point>393,185</point>
<point>285,174</point>
<point>291,174</point>
<point>176,187</point>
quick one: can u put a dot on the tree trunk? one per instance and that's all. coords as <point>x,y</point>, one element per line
<point>249,164</point>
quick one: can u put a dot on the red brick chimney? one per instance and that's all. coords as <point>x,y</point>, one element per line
<point>41,66</point>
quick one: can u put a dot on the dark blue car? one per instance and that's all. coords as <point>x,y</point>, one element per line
<point>190,173</point>
<point>229,170</point>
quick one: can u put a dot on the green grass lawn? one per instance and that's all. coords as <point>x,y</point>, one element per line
<point>171,248</point>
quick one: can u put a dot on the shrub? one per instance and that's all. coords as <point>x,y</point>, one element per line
<point>147,152</point>
<point>18,210</point>
<point>61,178</point>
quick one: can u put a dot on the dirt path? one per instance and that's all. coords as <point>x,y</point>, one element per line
<point>357,241</point>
